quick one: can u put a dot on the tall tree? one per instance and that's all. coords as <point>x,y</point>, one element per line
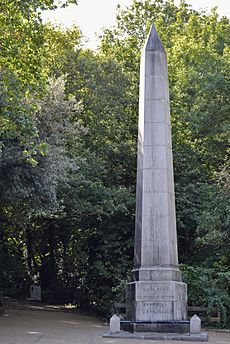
<point>197,46</point>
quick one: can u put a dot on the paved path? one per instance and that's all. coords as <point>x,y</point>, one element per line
<point>44,327</point>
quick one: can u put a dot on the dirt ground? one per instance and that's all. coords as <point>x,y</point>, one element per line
<point>45,327</point>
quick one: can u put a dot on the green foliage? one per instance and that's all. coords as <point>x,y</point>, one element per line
<point>21,40</point>
<point>60,47</point>
<point>68,132</point>
<point>197,46</point>
<point>104,92</point>
<point>28,56</point>
<point>214,225</point>
<point>16,111</point>
<point>209,288</point>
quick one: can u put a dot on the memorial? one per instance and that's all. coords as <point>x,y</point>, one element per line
<point>156,297</point>
<point>156,293</point>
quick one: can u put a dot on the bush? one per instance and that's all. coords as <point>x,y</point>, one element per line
<point>209,288</point>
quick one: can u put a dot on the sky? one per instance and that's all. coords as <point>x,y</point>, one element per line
<point>92,15</point>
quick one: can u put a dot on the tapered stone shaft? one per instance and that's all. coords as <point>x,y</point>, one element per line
<point>157,292</point>
<point>155,241</point>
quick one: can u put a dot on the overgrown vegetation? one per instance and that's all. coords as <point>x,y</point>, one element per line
<point>68,152</point>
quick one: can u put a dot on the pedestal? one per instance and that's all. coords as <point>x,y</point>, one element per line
<point>150,301</point>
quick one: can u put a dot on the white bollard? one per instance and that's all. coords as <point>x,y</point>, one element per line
<point>195,324</point>
<point>35,292</point>
<point>114,324</point>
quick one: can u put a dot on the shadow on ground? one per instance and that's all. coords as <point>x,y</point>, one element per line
<point>26,322</point>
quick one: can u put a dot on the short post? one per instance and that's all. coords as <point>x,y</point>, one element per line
<point>195,324</point>
<point>37,293</point>
<point>32,292</point>
<point>114,324</point>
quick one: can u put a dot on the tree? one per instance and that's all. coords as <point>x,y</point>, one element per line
<point>104,92</point>
<point>67,204</point>
<point>23,55</point>
<point>198,59</point>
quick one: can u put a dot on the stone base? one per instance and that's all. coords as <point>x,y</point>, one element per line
<point>151,301</point>
<point>201,337</point>
<point>156,326</point>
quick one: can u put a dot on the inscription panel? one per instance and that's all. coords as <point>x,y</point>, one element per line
<point>157,300</point>
<point>160,291</point>
<point>156,307</point>
<point>157,311</point>
<point>154,291</point>
<point>153,311</point>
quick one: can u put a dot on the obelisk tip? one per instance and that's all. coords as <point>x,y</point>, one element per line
<point>153,42</point>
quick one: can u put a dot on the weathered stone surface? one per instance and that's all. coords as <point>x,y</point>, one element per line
<point>114,324</point>
<point>188,337</point>
<point>156,274</point>
<point>158,326</point>
<point>156,297</point>
<point>195,324</point>
<point>156,301</point>
<point>35,292</point>
<point>156,293</point>
<point>155,238</point>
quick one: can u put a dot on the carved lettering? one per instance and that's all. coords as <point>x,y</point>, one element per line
<point>156,307</point>
<point>151,292</point>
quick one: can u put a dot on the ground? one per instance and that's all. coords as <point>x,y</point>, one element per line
<point>29,326</point>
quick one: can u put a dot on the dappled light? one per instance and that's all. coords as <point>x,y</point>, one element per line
<point>72,184</point>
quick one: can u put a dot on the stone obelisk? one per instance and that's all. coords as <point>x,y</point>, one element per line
<point>156,294</point>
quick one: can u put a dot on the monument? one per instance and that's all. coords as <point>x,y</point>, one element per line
<point>156,293</point>
<point>156,296</point>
